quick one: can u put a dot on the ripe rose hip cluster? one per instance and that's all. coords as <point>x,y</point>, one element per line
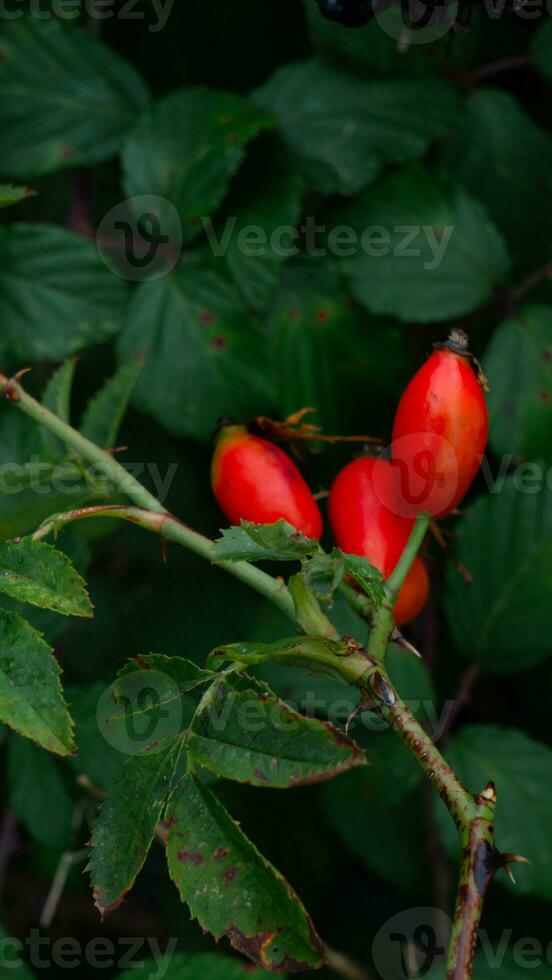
<point>439,437</point>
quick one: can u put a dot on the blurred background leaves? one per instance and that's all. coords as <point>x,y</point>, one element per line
<point>264,114</point>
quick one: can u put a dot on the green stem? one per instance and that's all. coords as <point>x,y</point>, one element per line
<point>474,819</point>
<point>383,622</point>
<point>459,802</point>
<point>413,545</point>
<point>358,602</point>
<point>110,468</point>
<point>171,529</point>
<point>479,862</point>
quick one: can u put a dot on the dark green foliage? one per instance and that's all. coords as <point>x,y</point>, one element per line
<point>267,141</point>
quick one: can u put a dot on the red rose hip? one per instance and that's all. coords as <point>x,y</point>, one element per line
<point>254,480</point>
<point>363,525</point>
<point>440,433</point>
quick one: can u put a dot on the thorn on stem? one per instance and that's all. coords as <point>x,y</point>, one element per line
<point>505,860</point>
<point>9,391</point>
<point>489,794</point>
<point>400,640</point>
<point>359,710</point>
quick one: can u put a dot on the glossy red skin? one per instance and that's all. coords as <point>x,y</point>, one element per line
<point>254,480</point>
<point>363,525</point>
<point>413,595</point>
<point>439,436</point>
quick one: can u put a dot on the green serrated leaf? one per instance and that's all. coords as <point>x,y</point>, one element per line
<point>39,795</point>
<point>13,195</point>
<point>257,542</point>
<point>35,572</point>
<point>339,131</point>
<point>518,367</point>
<point>105,411</point>
<point>432,239</point>
<point>186,148</point>
<point>231,888</point>
<point>365,575</point>
<point>521,769</point>
<point>256,738</point>
<point>505,541</point>
<point>56,295</point>
<point>124,830</point>
<point>31,700</point>
<point>195,311</point>
<point>57,398</point>
<point>66,99</point>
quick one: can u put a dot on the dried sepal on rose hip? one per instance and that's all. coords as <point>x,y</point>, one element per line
<point>254,480</point>
<point>440,432</point>
<point>362,525</point>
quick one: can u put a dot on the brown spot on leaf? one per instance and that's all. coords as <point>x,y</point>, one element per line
<point>259,774</point>
<point>191,856</point>
<point>322,316</point>
<point>230,874</point>
<point>219,342</point>
<point>207,317</point>
<point>220,854</point>
<point>257,948</point>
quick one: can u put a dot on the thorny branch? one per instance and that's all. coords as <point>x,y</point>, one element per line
<point>473,816</point>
